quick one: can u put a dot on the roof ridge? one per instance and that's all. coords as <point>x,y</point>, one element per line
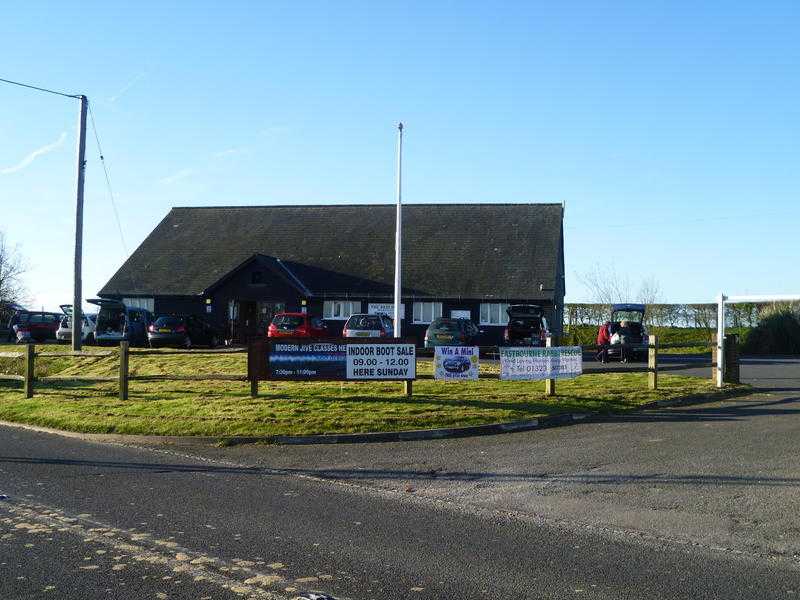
<point>392,204</point>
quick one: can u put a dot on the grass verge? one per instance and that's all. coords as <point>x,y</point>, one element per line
<point>289,408</point>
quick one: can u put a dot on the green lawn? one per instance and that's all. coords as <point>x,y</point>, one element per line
<point>226,408</point>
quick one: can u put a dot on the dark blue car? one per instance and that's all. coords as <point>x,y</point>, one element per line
<point>457,364</point>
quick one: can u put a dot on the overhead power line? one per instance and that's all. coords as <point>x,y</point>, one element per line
<point>40,89</point>
<point>108,181</point>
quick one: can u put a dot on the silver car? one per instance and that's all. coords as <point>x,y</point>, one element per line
<point>364,325</point>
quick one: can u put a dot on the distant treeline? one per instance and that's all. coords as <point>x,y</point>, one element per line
<point>669,315</point>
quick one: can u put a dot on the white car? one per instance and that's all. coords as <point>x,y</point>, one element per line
<point>64,332</point>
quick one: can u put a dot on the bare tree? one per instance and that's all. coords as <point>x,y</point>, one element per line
<point>606,286</point>
<point>649,291</point>
<point>12,267</point>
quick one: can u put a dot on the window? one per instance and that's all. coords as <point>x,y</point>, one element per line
<point>425,312</point>
<point>145,303</point>
<point>340,309</point>
<point>494,313</point>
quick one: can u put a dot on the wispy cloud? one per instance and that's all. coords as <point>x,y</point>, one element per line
<point>126,88</point>
<point>25,162</point>
<point>231,152</point>
<point>273,131</point>
<point>182,174</point>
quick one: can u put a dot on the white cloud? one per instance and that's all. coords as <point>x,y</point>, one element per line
<point>126,88</point>
<point>182,174</point>
<point>25,162</point>
<point>228,152</point>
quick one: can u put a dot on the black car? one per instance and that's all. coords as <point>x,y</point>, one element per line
<point>180,331</point>
<point>445,331</point>
<point>526,326</point>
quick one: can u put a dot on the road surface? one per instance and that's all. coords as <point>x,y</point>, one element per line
<point>692,502</point>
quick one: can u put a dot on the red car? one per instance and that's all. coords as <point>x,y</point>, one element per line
<point>37,327</point>
<point>295,324</point>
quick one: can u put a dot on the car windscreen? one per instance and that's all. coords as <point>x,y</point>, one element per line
<point>39,318</point>
<point>448,326</point>
<point>168,322</point>
<point>372,322</point>
<point>627,315</point>
<point>288,321</point>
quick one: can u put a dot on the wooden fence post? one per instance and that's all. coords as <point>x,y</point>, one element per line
<point>30,365</point>
<point>550,384</point>
<point>254,387</point>
<point>408,387</point>
<point>123,370</point>
<point>652,362</point>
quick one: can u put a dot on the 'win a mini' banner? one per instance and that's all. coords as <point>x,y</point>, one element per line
<point>455,363</point>
<point>563,362</point>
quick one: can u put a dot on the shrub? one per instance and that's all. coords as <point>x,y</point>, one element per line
<point>777,332</point>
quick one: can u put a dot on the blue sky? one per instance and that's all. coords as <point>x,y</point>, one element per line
<point>670,129</point>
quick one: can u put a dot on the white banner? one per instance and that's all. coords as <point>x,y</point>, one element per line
<point>381,361</point>
<point>455,363</point>
<point>526,363</point>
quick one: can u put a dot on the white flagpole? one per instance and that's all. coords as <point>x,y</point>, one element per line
<point>397,234</point>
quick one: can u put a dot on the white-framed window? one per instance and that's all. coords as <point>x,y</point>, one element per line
<point>145,303</point>
<point>494,313</point>
<point>340,309</point>
<point>425,312</point>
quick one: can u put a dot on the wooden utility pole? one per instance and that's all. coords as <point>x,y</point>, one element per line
<point>77,301</point>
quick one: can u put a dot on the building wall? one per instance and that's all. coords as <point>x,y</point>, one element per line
<point>272,290</point>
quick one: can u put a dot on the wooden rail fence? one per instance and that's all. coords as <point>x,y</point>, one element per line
<point>29,355</point>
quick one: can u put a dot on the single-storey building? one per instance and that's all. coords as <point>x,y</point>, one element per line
<point>240,265</point>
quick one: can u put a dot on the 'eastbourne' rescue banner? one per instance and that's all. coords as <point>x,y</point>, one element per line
<point>526,363</point>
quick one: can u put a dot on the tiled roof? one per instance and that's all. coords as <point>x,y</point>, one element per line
<point>449,250</point>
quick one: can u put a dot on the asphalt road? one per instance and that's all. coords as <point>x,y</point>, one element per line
<point>692,502</point>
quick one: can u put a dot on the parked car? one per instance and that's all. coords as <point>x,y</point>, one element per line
<point>117,322</point>
<point>36,327</point>
<point>364,325</point>
<point>296,324</point>
<point>180,331</point>
<point>64,331</point>
<point>526,326</point>
<point>624,337</point>
<point>451,332</point>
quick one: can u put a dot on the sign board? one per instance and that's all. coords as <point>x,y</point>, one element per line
<point>334,359</point>
<point>527,363</point>
<point>377,308</point>
<point>381,361</point>
<point>455,363</point>
<point>309,360</point>
<point>460,314</point>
